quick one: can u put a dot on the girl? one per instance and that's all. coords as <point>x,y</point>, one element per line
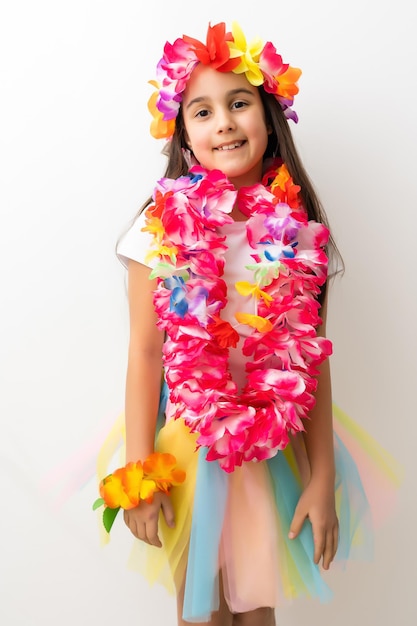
<point>227,293</point>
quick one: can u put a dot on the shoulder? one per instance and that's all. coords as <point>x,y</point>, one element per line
<point>135,242</point>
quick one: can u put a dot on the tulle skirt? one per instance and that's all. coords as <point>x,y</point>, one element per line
<point>238,523</point>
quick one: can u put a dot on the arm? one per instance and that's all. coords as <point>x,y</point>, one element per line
<point>143,384</point>
<point>144,368</point>
<point>317,502</point>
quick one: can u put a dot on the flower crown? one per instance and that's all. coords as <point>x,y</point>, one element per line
<point>224,52</point>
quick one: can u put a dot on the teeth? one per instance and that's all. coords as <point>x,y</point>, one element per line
<point>231,146</point>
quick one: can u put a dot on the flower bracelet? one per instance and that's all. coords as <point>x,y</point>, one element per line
<point>127,486</point>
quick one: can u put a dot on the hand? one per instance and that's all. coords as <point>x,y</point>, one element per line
<point>143,519</point>
<point>317,503</point>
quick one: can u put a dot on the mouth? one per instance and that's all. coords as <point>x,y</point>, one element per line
<point>226,147</point>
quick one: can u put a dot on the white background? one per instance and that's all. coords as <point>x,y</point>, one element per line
<point>76,162</point>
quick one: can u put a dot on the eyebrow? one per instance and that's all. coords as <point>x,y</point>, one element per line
<point>232,92</point>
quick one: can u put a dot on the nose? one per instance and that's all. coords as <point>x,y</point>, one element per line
<point>225,122</point>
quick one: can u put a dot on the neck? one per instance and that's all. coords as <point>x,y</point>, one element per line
<point>237,214</point>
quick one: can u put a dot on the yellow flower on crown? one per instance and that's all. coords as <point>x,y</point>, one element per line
<point>249,55</point>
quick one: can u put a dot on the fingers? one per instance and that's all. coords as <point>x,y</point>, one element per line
<point>143,520</point>
<point>319,536</point>
<point>168,511</point>
<point>297,522</point>
<point>318,506</point>
<point>325,537</point>
<point>325,545</point>
<point>143,523</point>
<point>330,549</point>
<point>149,532</point>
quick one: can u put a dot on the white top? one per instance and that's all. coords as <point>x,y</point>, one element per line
<point>135,244</point>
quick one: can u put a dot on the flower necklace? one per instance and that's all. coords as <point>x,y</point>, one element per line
<point>290,266</point>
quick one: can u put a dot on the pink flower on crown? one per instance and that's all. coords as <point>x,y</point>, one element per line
<point>280,79</point>
<point>173,72</point>
<point>271,65</point>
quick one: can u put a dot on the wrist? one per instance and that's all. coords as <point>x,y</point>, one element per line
<point>323,476</point>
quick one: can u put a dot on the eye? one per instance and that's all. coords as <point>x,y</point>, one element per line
<point>239,104</point>
<point>202,113</point>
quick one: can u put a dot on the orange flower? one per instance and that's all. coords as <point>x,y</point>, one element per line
<point>160,128</point>
<point>148,489</point>
<point>284,189</point>
<point>160,202</point>
<point>287,87</point>
<point>161,469</point>
<point>113,493</point>
<point>281,179</point>
<point>128,485</point>
<point>132,479</point>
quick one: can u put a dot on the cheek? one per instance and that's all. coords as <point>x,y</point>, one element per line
<point>199,142</point>
<point>192,135</point>
<point>262,136</point>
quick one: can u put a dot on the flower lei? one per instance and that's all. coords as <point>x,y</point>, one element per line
<point>225,52</point>
<point>127,486</point>
<point>290,266</point>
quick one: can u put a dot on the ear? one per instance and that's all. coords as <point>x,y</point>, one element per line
<point>269,129</point>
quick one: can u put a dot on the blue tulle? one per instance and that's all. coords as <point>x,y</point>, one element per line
<point>202,588</point>
<point>287,492</point>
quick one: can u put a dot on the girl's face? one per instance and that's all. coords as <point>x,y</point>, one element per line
<point>225,124</point>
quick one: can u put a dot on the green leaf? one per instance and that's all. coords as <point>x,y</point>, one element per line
<point>109,515</point>
<point>98,503</point>
<point>165,269</point>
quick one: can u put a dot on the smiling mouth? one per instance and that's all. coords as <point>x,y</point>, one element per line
<point>230,146</point>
